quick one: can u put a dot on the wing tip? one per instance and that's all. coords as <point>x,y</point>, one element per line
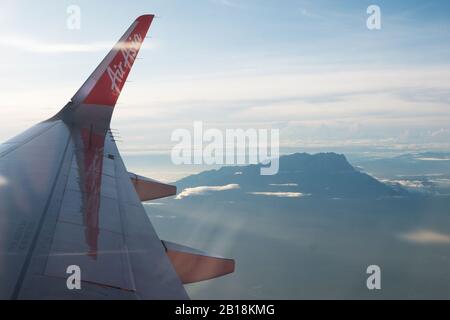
<point>105,84</point>
<point>145,18</point>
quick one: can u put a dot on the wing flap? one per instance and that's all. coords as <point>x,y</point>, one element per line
<point>149,189</point>
<point>193,265</point>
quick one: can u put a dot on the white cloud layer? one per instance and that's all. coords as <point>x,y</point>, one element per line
<point>433,159</point>
<point>197,191</point>
<point>312,106</point>
<point>426,237</point>
<point>409,183</point>
<point>280,194</point>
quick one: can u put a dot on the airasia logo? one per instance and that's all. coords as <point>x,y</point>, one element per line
<point>118,72</point>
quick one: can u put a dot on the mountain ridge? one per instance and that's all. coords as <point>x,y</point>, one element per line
<point>327,175</point>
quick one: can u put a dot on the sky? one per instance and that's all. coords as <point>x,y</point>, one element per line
<point>311,69</point>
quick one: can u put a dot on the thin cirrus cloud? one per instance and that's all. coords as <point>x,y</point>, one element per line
<point>226,3</point>
<point>307,13</point>
<point>38,46</point>
<point>202,190</point>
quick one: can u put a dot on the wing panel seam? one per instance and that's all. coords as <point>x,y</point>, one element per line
<point>27,261</point>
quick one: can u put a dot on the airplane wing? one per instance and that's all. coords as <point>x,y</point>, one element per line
<point>67,199</point>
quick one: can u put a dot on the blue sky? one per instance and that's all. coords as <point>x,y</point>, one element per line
<point>309,68</point>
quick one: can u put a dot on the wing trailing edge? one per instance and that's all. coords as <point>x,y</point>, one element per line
<point>193,265</point>
<point>149,189</point>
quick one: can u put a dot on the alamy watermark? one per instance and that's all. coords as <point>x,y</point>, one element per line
<point>374,280</point>
<point>374,20</point>
<point>73,281</point>
<point>73,21</point>
<point>231,147</point>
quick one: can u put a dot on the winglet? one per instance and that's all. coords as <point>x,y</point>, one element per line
<point>104,85</point>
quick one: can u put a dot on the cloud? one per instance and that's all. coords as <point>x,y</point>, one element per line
<point>3,181</point>
<point>440,132</point>
<point>441,182</point>
<point>284,184</point>
<point>409,183</point>
<point>433,159</point>
<point>306,13</point>
<point>346,113</point>
<point>160,216</point>
<point>367,95</point>
<point>38,46</point>
<point>280,194</point>
<point>426,237</point>
<point>205,190</point>
<point>335,107</point>
<point>226,3</point>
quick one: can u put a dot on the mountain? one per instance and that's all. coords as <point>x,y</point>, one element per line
<point>321,175</point>
<point>299,247</point>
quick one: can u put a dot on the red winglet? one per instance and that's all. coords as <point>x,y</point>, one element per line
<point>115,68</point>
